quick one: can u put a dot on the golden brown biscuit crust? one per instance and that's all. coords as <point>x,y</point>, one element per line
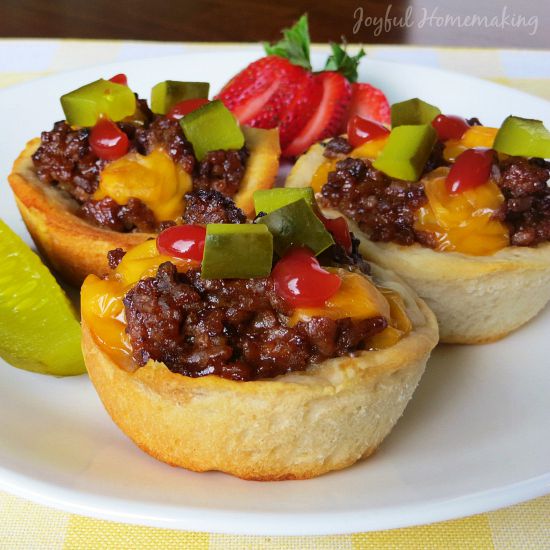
<point>296,426</point>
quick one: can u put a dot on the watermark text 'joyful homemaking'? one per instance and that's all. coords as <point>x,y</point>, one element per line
<point>435,17</point>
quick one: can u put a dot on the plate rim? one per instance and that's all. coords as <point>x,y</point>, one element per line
<point>221,521</point>
<point>270,523</point>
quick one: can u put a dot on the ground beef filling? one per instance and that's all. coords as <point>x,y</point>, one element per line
<point>232,328</point>
<point>114,257</point>
<point>337,146</point>
<point>221,171</point>
<point>382,207</point>
<point>65,159</point>
<point>208,206</point>
<point>108,213</point>
<point>525,184</point>
<point>386,208</point>
<point>166,133</point>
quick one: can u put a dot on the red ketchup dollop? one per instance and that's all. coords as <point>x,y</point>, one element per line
<point>179,110</point>
<point>108,141</point>
<point>471,169</point>
<point>361,130</point>
<point>183,241</point>
<point>301,281</point>
<point>449,126</point>
<point>119,79</point>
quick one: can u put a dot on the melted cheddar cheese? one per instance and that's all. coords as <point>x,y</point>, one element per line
<point>462,222</point>
<point>360,299</point>
<point>140,262</point>
<point>399,323</point>
<point>320,177</point>
<point>370,149</point>
<point>103,310</point>
<point>357,299</point>
<point>476,136</point>
<point>154,179</point>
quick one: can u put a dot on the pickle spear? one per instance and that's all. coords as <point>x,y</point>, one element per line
<point>39,330</point>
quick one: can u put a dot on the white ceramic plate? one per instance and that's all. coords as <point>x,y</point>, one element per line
<point>475,436</point>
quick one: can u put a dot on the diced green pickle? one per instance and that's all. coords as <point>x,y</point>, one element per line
<point>296,224</point>
<point>82,107</point>
<point>39,329</point>
<point>267,200</point>
<point>165,95</point>
<point>406,152</point>
<point>412,112</point>
<point>212,127</point>
<point>523,137</point>
<point>237,251</point>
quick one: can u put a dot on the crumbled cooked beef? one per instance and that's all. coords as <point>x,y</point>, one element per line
<point>166,133</point>
<point>134,215</point>
<point>104,212</point>
<point>435,160</point>
<point>235,328</point>
<point>383,207</point>
<point>338,256</point>
<point>65,158</point>
<point>521,177</point>
<point>114,257</point>
<point>525,184</point>
<point>337,146</point>
<point>209,206</point>
<point>221,171</point>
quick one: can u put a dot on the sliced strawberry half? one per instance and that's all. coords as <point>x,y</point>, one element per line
<point>297,102</point>
<point>329,115</point>
<point>367,102</point>
<point>272,92</point>
<point>248,92</point>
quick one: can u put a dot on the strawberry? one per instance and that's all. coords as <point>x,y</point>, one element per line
<point>277,90</point>
<point>272,92</point>
<point>340,70</point>
<point>326,120</point>
<point>280,90</point>
<point>367,102</point>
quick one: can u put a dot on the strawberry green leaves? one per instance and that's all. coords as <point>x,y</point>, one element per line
<point>295,47</point>
<point>295,44</point>
<point>344,63</point>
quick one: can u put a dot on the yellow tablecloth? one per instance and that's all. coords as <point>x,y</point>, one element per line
<point>24,524</point>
